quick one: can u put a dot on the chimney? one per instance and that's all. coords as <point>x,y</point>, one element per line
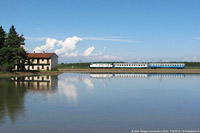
<point>34,52</point>
<point>43,52</point>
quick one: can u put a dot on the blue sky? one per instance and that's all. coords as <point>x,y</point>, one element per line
<point>107,30</point>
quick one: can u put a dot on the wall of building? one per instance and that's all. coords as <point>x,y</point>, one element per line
<point>54,62</point>
<point>35,67</point>
<point>41,61</point>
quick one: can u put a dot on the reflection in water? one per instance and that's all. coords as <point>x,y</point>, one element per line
<point>11,100</point>
<point>138,75</point>
<point>12,92</point>
<point>67,87</point>
<point>37,83</point>
<point>107,103</point>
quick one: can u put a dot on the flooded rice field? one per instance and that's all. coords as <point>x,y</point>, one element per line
<point>100,103</point>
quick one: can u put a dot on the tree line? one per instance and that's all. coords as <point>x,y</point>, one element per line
<point>12,50</point>
<point>87,64</point>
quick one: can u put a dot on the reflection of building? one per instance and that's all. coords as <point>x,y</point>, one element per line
<point>41,61</point>
<point>42,83</point>
<point>138,75</point>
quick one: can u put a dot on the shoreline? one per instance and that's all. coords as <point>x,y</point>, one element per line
<point>186,71</point>
<point>30,73</point>
<point>101,71</point>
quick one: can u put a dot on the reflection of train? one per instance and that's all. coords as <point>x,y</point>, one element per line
<point>137,65</point>
<point>137,75</point>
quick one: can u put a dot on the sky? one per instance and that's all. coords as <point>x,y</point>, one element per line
<point>107,30</point>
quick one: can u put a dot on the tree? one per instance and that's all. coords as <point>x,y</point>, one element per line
<point>16,54</point>
<point>2,37</point>
<point>2,40</point>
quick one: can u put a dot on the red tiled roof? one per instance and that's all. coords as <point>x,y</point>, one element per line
<point>40,55</point>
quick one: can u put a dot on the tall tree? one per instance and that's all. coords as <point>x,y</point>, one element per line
<point>2,37</point>
<point>2,40</point>
<point>16,53</point>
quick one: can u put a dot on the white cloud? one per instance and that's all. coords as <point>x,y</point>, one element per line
<point>67,48</point>
<point>194,58</point>
<point>68,45</point>
<point>104,49</point>
<point>116,39</point>
<point>36,39</point>
<point>109,57</point>
<point>48,47</point>
<point>88,51</point>
<point>25,48</point>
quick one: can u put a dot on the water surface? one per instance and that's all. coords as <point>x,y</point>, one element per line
<point>72,102</point>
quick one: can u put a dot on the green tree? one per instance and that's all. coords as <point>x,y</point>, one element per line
<point>2,37</point>
<point>15,52</point>
<point>2,40</point>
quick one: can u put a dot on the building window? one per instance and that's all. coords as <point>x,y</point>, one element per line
<point>42,59</point>
<point>38,61</point>
<point>48,61</point>
<point>42,66</point>
<point>32,67</point>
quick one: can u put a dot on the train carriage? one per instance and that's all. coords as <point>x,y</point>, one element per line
<point>101,65</point>
<point>166,65</point>
<point>130,65</point>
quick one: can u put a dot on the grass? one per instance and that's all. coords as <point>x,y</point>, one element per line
<point>74,67</point>
<point>192,67</point>
<point>4,72</point>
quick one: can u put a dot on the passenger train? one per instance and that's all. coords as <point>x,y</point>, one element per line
<point>137,65</point>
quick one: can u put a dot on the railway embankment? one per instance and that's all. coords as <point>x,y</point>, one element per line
<point>186,71</point>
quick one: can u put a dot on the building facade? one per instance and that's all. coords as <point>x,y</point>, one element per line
<point>41,61</point>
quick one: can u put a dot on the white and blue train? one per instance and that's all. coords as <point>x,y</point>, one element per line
<point>137,65</point>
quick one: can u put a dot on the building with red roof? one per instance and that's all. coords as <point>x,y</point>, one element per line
<point>41,61</point>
